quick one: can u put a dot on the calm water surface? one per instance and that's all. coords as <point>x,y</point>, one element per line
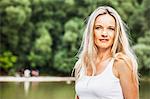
<point>50,90</point>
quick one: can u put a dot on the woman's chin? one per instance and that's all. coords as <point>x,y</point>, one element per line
<point>104,47</point>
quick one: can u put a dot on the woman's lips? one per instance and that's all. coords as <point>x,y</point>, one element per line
<point>104,40</point>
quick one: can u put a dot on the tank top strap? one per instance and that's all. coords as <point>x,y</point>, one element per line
<point>111,64</point>
<point>81,72</point>
<point>110,70</point>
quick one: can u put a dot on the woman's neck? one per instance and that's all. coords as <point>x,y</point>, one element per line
<point>104,54</point>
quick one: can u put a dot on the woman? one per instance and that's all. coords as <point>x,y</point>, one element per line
<point>107,67</point>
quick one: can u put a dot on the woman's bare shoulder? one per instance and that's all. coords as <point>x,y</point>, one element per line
<point>122,56</point>
<point>122,64</point>
<point>124,68</point>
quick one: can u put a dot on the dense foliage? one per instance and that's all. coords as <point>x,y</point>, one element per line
<point>46,34</point>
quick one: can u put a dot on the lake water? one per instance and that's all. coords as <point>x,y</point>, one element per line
<point>61,90</point>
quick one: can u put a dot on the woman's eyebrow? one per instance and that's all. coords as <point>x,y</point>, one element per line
<point>111,26</point>
<point>101,25</point>
<point>98,25</point>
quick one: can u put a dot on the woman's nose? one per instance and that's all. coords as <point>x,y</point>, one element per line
<point>104,34</point>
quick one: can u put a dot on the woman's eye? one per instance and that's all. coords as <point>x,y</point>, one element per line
<point>98,27</point>
<point>111,29</point>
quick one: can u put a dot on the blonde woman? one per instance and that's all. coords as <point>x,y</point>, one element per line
<point>107,66</point>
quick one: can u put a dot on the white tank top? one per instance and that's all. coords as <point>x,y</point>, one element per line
<point>102,86</point>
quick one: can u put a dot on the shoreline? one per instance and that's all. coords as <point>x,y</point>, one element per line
<point>47,79</point>
<point>145,78</point>
<point>36,79</point>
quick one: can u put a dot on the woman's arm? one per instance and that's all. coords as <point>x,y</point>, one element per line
<point>127,78</point>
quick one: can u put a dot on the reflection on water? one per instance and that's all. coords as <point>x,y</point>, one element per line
<point>61,90</point>
<point>26,87</point>
<point>145,90</point>
<point>36,90</point>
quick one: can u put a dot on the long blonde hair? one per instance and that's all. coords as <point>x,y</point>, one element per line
<point>88,51</point>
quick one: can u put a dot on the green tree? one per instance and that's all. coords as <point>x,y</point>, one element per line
<point>46,34</point>
<point>41,51</point>
<point>142,49</point>
<point>65,57</point>
<point>7,61</point>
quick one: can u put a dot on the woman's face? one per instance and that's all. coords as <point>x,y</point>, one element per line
<point>104,31</point>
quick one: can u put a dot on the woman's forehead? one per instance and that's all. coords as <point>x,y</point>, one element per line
<point>105,19</point>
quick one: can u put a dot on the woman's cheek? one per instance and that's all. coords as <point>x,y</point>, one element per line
<point>97,33</point>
